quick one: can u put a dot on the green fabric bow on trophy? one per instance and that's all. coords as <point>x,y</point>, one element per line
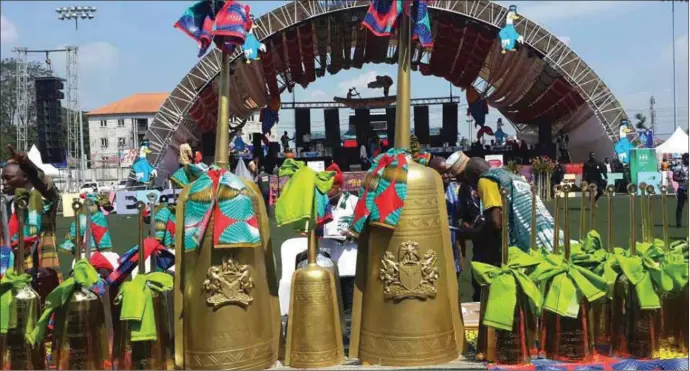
<point>136,297</point>
<point>591,255</point>
<point>567,284</point>
<point>8,313</point>
<point>83,275</point>
<point>645,272</point>
<point>503,283</point>
<point>296,205</point>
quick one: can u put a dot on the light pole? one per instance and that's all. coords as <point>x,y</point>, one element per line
<point>67,14</point>
<point>673,32</point>
<point>76,12</point>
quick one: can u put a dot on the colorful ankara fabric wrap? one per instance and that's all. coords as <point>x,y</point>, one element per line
<point>520,201</point>
<point>101,239</point>
<point>32,217</point>
<point>83,276</point>
<point>224,23</point>
<point>383,16</point>
<point>188,174</point>
<point>383,192</point>
<point>165,225</point>
<point>503,292</point>
<point>569,283</point>
<point>136,297</point>
<point>645,273</point>
<point>9,284</point>
<point>303,203</point>
<point>130,260</point>
<point>223,195</point>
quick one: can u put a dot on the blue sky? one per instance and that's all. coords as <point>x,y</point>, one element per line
<point>132,47</point>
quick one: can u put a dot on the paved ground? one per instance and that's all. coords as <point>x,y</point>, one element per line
<point>123,230</point>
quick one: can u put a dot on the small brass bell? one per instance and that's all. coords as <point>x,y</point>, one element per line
<point>80,337</point>
<point>145,355</point>
<point>634,331</point>
<point>17,352</point>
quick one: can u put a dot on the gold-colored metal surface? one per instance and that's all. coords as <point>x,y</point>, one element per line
<point>601,308</point>
<point>411,331</point>
<point>664,215</point>
<point>565,338</point>
<point>228,283</point>
<point>409,274</point>
<point>592,207</point>
<point>583,210</point>
<point>402,105</point>
<point>314,335</point>
<point>609,193</point>
<point>634,331</point>
<point>80,339</point>
<point>650,213</point>
<point>222,154</point>
<point>18,354</point>
<point>643,211</point>
<point>232,335</point>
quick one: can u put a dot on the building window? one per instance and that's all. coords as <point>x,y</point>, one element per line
<point>121,142</point>
<point>120,123</point>
<point>104,123</point>
<point>104,142</point>
<point>142,125</point>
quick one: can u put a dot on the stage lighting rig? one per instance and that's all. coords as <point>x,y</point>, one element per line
<point>76,12</point>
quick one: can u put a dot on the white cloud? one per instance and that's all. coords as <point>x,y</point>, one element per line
<point>551,11</point>
<point>8,31</point>
<point>319,95</point>
<point>360,82</point>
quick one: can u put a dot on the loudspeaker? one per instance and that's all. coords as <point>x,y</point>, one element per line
<point>208,144</point>
<point>450,123</point>
<point>390,126</point>
<point>331,118</point>
<point>49,125</point>
<point>546,145</point>
<point>302,124</point>
<point>362,128</point>
<point>421,124</point>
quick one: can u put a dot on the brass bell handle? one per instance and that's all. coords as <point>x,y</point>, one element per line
<point>20,204</point>
<point>663,189</point>
<point>610,190</point>
<point>650,189</point>
<point>643,188</point>
<point>152,197</point>
<point>140,205</point>
<point>76,205</point>
<point>632,189</point>
<point>566,188</point>
<point>592,187</point>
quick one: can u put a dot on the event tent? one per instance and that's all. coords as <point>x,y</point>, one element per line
<point>35,157</point>
<point>677,143</point>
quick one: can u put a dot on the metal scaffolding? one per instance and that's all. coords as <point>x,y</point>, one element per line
<point>21,114</point>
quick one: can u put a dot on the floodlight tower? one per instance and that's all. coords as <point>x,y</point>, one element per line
<point>75,125</point>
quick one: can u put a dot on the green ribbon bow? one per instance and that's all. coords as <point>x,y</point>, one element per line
<point>83,275</point>
<point>136,297</point>
<point>500,306</point>
<point>296,204</point>
<point>676,267</point>
<point>590,254</point>
<point>10,283</point>
<point>680,247</point>
<point>645,272</point>
<point>569,282</point>
<point>592,242</point>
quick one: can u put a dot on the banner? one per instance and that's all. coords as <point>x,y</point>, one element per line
<point>612,177</point>
<point>642,160</point>
<point>494,160</point>
<point>126,201</point>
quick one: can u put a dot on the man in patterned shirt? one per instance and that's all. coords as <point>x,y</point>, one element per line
<point>680,175</point>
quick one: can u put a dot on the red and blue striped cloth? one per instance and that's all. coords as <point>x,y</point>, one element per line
<point>130,260</point>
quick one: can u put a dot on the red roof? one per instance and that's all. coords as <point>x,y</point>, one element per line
<point>134,104</point>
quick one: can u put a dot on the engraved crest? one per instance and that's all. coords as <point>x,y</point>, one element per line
<point>409,276</point>
<point>228,283</point>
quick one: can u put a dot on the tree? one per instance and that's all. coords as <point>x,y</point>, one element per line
<point>641,121</point>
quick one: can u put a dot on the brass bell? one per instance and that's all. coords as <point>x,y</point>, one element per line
<point>634,331</point>
<point>80,337</point>
<point>17,352</point>
<point>144,355</point>
<point>601,308</point>
<point>501,346</point>
<point>565,338</point>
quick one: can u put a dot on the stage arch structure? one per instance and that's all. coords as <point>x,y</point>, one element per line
<point>543,81</point>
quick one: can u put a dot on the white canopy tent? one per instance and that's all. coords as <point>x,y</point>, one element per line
<point>677,143</point>
<point>35,157</point>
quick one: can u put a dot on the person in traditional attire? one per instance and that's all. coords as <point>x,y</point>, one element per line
<point>191,167</point>
<point>22,179</point>
<point>341,250</point>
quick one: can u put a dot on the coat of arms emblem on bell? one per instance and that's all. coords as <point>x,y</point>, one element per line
<point>411,276</point>
<point>228,283</point>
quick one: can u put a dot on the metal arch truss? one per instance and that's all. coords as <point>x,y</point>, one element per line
<point>413,102</point>
<point>21,114</point>
<point>556,53</point>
